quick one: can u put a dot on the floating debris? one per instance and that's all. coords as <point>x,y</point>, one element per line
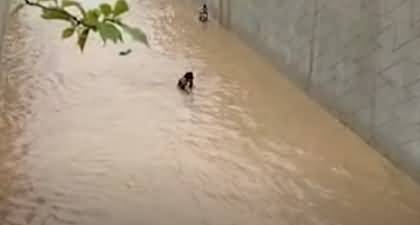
<point>126,52</point>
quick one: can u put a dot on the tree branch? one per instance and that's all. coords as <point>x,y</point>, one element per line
<point>76,20</point>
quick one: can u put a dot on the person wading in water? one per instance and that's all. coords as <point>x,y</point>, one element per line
<point>204,14</point>
<point>186,83</point>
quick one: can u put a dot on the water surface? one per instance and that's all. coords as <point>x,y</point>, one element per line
<point>100,139</point>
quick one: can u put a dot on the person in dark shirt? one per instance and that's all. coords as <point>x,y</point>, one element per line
<point>186,83</point>
<point>204,14</point>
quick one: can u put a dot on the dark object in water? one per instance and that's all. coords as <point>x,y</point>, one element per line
<point>186,83</point>
<point>126,52</point>
<point>203,17</point>
<point>204,14</point>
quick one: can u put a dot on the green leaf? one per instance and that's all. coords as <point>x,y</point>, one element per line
<point>136,33</point>
<point>17,8</point>
<point>83,38</point>
<point>121,7</point>
<point>91,18</point>
<point>66,3</point>
<point>106,9</point>
<point>68,32</point>
<point>69,3</point>
<point>109,31</point>
<point>52,1</point>
<point>55,14</point>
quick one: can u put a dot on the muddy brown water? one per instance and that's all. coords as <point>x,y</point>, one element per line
<point>103,139</point>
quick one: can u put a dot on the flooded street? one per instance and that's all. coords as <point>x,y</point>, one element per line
<point>102,139</point>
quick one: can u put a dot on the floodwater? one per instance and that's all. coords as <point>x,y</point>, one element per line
<point>103,139</point>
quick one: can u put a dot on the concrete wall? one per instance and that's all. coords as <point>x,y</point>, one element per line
<point>4,9</point>
<point>358,58</point>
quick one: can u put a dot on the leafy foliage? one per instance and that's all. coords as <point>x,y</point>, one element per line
<point>68,32</point>
<point>106,9</point>
<point>108,31</point>
<point>135,33</point>
<point>70,3</point>
<point>83,35</point>
<point>55,14</point>
<point>120,8</point>
<point>103,20</point>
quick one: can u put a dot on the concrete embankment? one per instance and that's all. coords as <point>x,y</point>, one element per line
<point>4,9</point>
<point>359,59</point>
